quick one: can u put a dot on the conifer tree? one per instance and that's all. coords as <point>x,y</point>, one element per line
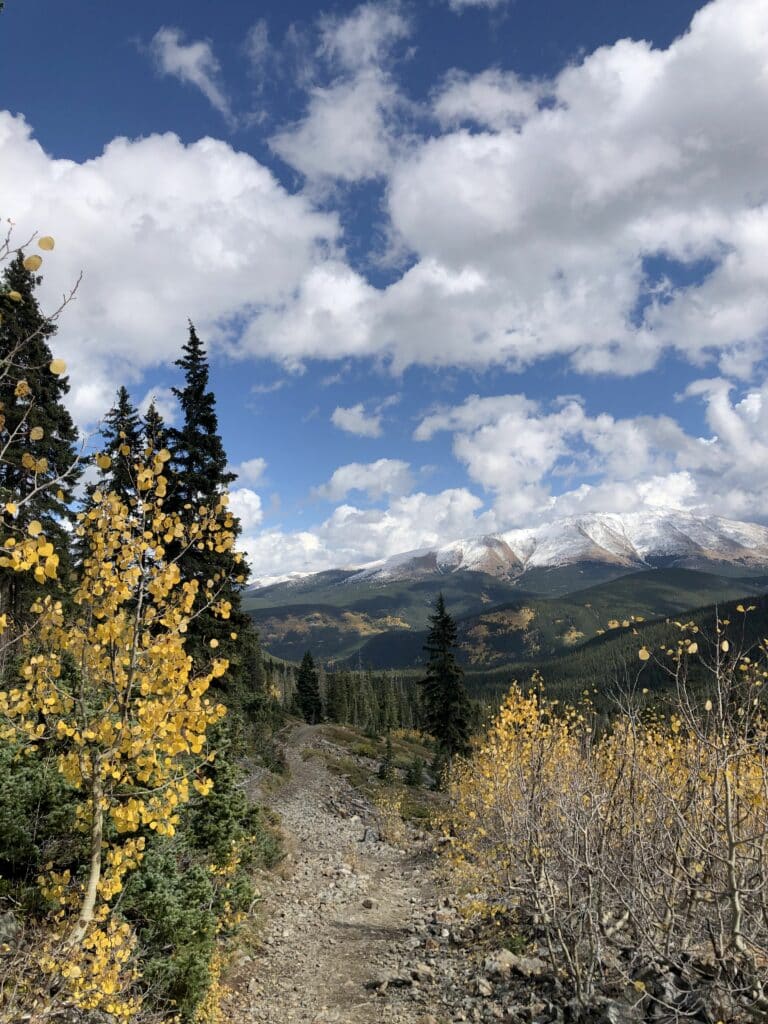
<point>308,690</point>
<point>201,476</point>
<point>121,448</point>
<point>338,700</point>
<point>153,428</point>
<point>40,466</point>
<point>447,707</point>
<point>387,766</point>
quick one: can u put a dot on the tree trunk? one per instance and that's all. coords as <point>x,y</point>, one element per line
<point>94,874</point>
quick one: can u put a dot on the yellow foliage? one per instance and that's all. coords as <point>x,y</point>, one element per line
<point>110,692</point>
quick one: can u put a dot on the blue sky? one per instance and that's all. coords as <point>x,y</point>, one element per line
<point>462,264</point>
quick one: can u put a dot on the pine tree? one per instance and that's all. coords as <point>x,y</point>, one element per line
<point>308,690</point>
<point>387,766</point>
<point>40,466</point>
<point>199,465</point>
<point>199,459</point>
<point>447,707</point>
<point>338,700</point>
<point>122,446</point>
<point>153,428</point>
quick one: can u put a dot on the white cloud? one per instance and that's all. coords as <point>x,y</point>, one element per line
<point>347,132</point>
<point>259,51</point>
<point>251,471</point>
<point>354,536</point>
<point>461,5</point>
<point>376,479</point>
<point>350,131</point>
<point>355,420</point>
<point>246,505</point>
<point>163,231</point>
<point>532,237</point>
<point>192,63</point>
<point>526,457</point>
<point>365,37</point>
<point>494,99</point>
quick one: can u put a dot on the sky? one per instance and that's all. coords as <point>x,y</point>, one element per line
<point>461,265</point>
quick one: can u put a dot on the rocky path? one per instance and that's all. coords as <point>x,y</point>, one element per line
<point>346,914</point>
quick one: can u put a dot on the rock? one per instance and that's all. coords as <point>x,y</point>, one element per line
<point>483,987</point>
<point>388,979</point>
<point>9,927</point>
<point>428,1019</point>
<point>422,972</point>
<point>501,964</point>
<point>368,904</point>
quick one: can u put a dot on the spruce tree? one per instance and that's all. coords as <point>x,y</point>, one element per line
<point>200,476</point>
<point>38,437</point>
<point>153,429</point>
<point>387,765</point>
<point>308,690</point>
<point>338,699</point>
<point>122,443</point>
<point>447,707</point>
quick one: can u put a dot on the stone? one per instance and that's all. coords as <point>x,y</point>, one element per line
<point>368,904</point>
<point>422,972</point>
<point>501,964</point>
<point>483,987</point>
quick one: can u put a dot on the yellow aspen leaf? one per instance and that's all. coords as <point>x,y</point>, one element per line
<point>57,367</point>
<point>213,643</point>
<point>36,434</point>
<point>14,296</point>
<point>46,243</point>
<point>11,508</point>
<point>103,461</point>
<point>35,528</point>
<point>725,646</point>
<point>33,263</point>
<point>643,654</point>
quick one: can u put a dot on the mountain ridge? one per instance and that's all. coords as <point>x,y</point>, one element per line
<point>629,541</point>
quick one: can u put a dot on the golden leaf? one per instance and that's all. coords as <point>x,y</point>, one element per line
<point>33,263</point>
<point>46,243</point>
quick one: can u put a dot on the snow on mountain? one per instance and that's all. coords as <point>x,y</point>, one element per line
<point>635,540</point>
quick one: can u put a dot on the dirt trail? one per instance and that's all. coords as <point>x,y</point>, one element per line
<point>346,912</point>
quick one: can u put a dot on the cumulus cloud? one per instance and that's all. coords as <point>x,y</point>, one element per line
<point>351,129</point>
<point>365,37</point>
<point>251,471</point>
<point>192,63</point>
<point>163,231</point>
<point>527,457</point>
<point>624,216</point>
<point>355,420</point>
<point>353,536</point>
<point>376,479</point>
<point>246,505</point>
<point>493,99</point>
<point>347,132</point>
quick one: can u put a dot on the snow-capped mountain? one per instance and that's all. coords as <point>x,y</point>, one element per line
<point>640,540</point>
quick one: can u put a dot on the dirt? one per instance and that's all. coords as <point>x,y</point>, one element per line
<point>345,910</point>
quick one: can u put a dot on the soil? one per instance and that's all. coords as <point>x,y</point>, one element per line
<point>344,915</point>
